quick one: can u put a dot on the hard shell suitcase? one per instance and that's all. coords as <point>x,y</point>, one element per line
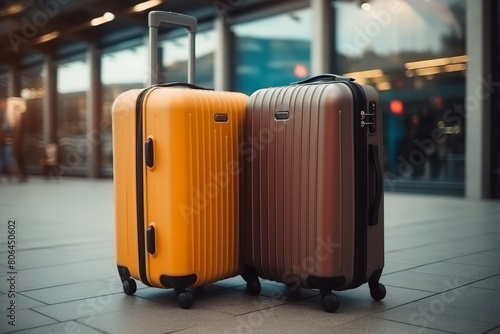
<point>177,180</point>
<point>313,204</point>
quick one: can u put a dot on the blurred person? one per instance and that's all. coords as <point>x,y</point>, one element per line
<point>4,155</point>
<point>4,146</point>
<point>49,161</point>
<point>16,111</point>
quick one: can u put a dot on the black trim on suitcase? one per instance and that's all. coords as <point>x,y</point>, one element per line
<point>325,284</point>
<point>124,273</point>
<point>178,283</point>
<point>361,199</point>
<point>374,209</point>
<point>141,238</point>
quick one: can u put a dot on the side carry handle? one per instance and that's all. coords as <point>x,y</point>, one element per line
<point>323,77</point>
<point>374,209</point>
<point>155,18</point>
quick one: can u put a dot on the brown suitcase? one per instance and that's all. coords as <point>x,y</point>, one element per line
<point>313,202</point>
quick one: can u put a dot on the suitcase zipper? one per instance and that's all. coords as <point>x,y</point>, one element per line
<point>140,188</point>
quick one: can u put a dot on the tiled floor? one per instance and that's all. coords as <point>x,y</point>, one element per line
<point>442,273</point>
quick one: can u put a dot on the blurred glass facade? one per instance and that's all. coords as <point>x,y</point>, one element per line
<point>31,128</point>
<point>272,51</point>
<point>121,70</point>
<point>175,54</point>
<point>72,86</point>
<point>413,52</point>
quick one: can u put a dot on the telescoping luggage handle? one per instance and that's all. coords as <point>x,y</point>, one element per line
<point>155,19</point>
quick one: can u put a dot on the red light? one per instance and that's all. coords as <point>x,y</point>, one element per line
<point>300,71</point>
<point>396,107</point>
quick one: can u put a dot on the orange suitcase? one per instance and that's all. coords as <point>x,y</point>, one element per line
<point>177,180</point>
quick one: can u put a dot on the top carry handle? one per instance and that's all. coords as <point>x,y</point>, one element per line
<point>323,78</point>
<point>155,18</point>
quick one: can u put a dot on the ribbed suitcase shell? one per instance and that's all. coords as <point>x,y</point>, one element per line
<point>191,195</point>
<point>300,198</point>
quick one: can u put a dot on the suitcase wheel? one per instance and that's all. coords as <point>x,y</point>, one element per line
<point>129,286</point>
<point>330,302</point>
<point>253,287</point>
<point>185,299</point>
<point>378,292</point>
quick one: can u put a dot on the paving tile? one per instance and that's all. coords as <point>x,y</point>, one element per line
<point>24,319</point>
<point>423,281</point>
<point>466,271</point>
<point>444,251</point>
<point>40,258</point>
<point>60,328</point>
<point>157,318</point>
<point>76,291</point>
<point>308,316</point>
<point>231,282</point>
<point>488,283</point>
<point>22,302</point>
<point>395,266</point>
<point>280,291</point>
<point>40,278</point>
<point>494,331</point>
<point>487,259</point>
<point>439,313</point>
<point>373,324</point>
<point>97,251</point>
<point>229,301</point>
<point>472,298</point>
<point>66,242</point>
<point>92,307</point>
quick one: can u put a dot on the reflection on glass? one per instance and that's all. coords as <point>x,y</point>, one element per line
<point>121,70</point>
<point>272,51</point>
<point>4,86</point>
<point>175,55</point>
<point>31,132</point>
<point>414,53</point>
<point>72,86</point>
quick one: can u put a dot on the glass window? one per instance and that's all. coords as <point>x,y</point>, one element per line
<point>31,133</point>
<point>120,71</point>
<point>4,85</point>
<point>73,80</point>
<point>272,51</point>
<point>414,53</point>
<point>175,55</point>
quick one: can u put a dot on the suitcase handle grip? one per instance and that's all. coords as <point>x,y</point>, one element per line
<point>323,77</point>
<point>374,209</point>
<point>155,18</point>
<point>181,84</point>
